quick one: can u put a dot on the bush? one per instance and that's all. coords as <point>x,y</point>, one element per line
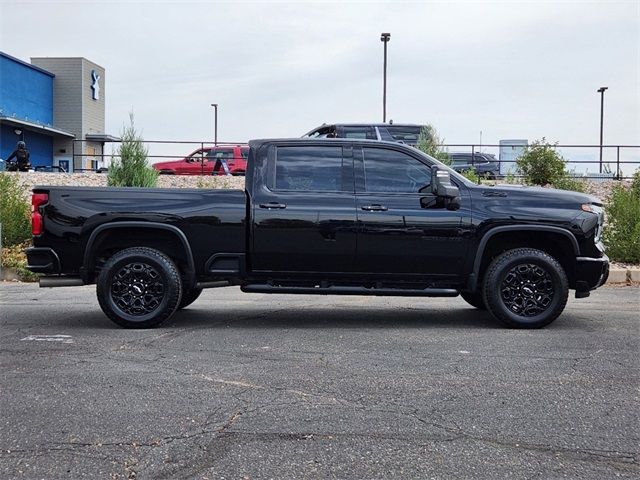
<point>471,175</point>
<point>14,259</point>
<point>131,168</point>
<point>15,215</point>
<point>541,164</point>
<point>622,233</point>
<point>430,143</point>
<point>567,182</point>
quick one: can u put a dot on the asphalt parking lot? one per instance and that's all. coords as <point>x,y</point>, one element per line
<point>257,386</point>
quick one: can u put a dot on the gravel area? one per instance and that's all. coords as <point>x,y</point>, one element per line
<point>31,179</point>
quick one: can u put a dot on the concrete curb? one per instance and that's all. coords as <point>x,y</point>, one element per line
<point>619,276</point>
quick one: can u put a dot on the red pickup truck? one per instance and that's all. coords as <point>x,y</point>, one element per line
<point>218,160</point>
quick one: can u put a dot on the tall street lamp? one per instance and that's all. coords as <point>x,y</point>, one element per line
<point>384,38</point>
<point>601,92</point>
<point>215,124</point>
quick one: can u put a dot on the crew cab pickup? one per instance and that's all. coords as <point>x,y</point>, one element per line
<point>324,217</point>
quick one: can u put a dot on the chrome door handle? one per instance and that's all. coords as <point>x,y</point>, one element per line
<point>374,208</point>
<point>271,205</point>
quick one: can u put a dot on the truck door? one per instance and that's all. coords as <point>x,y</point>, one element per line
<point>401,230</point>
<point>304,216</point>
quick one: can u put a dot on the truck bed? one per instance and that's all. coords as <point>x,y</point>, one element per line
<point>212,221</point>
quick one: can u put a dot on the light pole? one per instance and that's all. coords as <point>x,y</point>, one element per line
<point>601,92</point>
<point>215,124</point>
<point>384,38</point>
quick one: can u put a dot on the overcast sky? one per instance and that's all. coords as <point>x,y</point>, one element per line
<point>510,69</point>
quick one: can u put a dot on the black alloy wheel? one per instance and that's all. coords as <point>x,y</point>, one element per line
<point>525,288</point>
<point>139,287</point>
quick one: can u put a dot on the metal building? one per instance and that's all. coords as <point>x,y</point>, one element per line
<point>49,104</point>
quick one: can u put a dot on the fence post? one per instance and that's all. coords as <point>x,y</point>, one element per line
<point>618,173</point>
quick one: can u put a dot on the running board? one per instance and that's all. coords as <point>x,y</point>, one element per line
<point>387,292</point>
<point>48,282</point>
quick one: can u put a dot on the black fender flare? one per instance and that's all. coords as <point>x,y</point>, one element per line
<point>88,251</point>
<point>473,278</point>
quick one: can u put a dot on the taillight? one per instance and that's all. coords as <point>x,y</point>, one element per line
<point>37,222</point>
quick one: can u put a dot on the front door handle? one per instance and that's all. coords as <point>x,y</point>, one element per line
<point>271,205</point>
<point>374,208</point>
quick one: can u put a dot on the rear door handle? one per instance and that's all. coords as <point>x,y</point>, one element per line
<point>374,208</point>
<point>271,205</point>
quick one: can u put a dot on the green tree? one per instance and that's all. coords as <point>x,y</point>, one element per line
<point>541,163</point>
<point>131,168</point>
<point>430,143</point>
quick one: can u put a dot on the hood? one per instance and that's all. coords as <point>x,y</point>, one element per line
<point>539,193</point>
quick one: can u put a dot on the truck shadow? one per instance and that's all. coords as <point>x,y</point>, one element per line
<point>326,318</point>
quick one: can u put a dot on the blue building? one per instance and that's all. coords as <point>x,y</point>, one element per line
<point>27,110</point>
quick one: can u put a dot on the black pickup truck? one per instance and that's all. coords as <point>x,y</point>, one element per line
<point>330,216</point>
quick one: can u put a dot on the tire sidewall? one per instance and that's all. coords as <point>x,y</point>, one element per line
<point>494,297</point>
<point>153,318</point>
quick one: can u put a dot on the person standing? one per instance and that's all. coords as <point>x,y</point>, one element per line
<point>21,154</point>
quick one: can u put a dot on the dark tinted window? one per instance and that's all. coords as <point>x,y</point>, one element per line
<point>244,152</point>
<point>221,153</point>
<point>309,168</point>
<point>460,159</point>
<point>404,134</point>
<point>359,132</point>
<point>391,171</point>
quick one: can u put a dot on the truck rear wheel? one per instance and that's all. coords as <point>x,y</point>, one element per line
<point>525,288</point>
<point>139,287</point>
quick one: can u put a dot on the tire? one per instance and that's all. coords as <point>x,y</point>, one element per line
<point>139,287</point>
<point>474,299</point>
<point>525,288</point>
<point>188,297</point>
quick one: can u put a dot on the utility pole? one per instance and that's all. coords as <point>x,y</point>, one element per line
<point>215,124</point>
<point>601,91</point>
<point>384,38</point>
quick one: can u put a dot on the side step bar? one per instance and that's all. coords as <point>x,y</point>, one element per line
<point>48,282</point>
<point>387,292</point>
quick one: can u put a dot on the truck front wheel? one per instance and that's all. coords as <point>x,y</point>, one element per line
<point>139,287</point>
<point>525,288</point>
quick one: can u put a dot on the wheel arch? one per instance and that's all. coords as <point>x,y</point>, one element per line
<point>168,239</point>
<point>556,241</point>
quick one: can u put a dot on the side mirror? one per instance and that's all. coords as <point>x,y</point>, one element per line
<point>442,187</point>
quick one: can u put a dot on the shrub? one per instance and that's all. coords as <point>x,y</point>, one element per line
<point>541,164</point>
<point>15,214</point>
<point>14,259</point>
<point>131,168</point>
<point>471,175</point>
<point>430,143</point>
<point>567,182</point>
<point>622,233</point>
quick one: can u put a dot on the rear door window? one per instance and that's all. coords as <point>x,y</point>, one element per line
<point>309,168</point>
